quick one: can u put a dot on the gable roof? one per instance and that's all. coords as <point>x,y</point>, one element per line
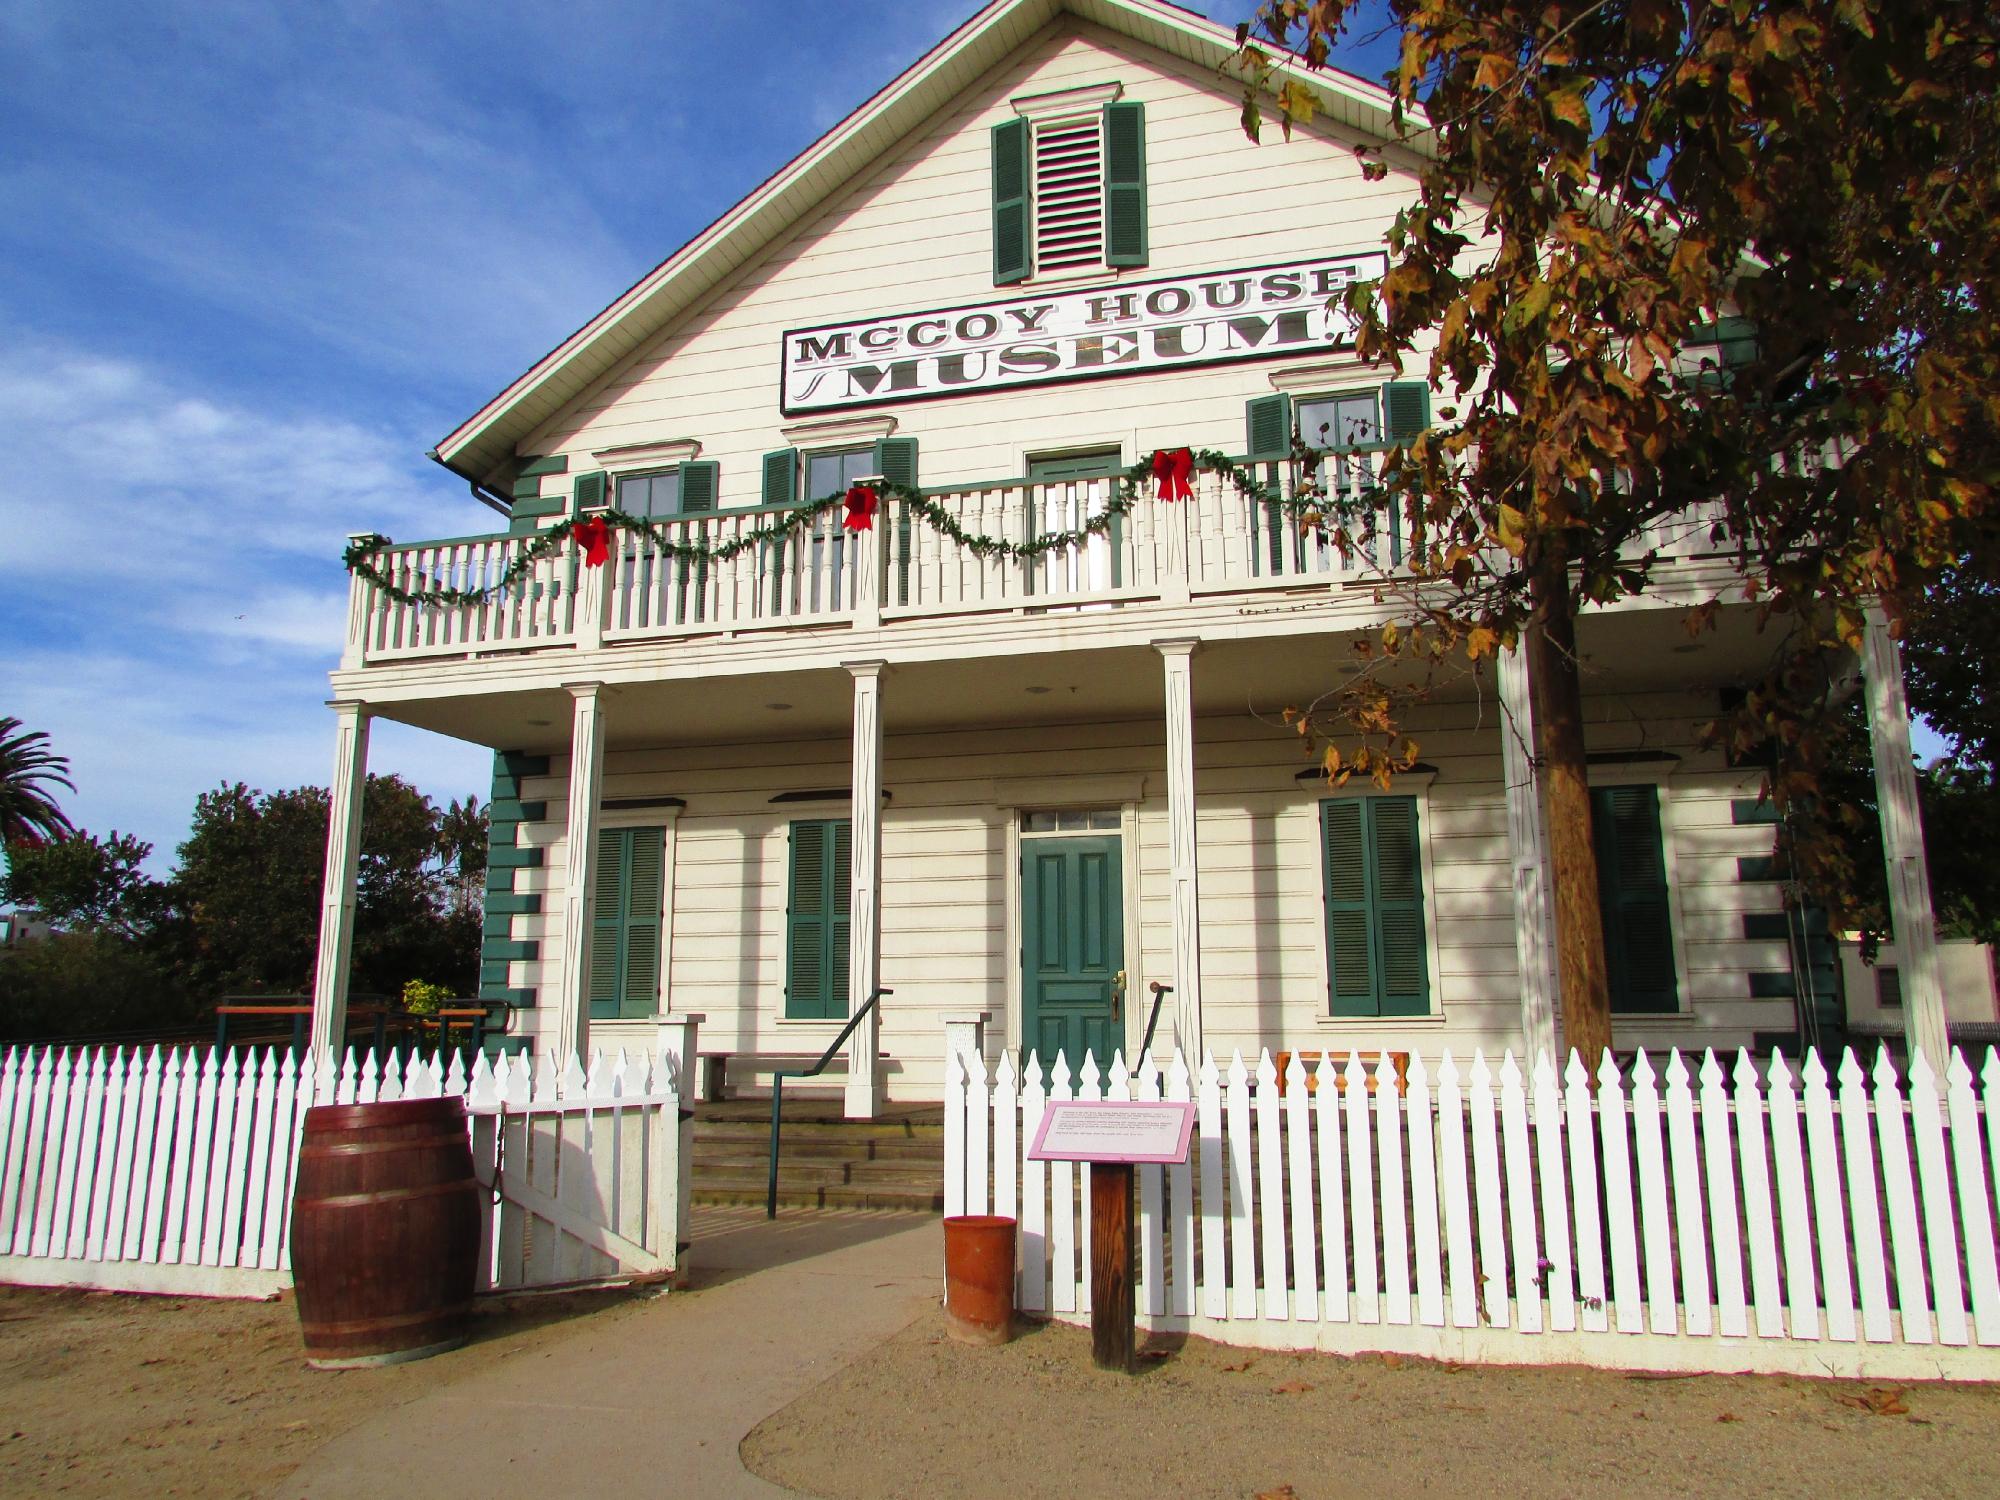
<point>480,447</point>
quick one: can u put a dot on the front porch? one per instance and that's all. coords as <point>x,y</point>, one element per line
<point>1159,758</point>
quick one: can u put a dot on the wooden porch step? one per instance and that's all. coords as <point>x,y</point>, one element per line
<point>825,1160</point>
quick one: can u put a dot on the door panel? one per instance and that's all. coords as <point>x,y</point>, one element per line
<point>1073,948</point>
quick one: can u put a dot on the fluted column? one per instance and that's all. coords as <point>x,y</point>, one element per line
<point>1534,927</point>
<point>1179,659</point>
<point>343,860</point>
<point>864,910</point>
<point>586,790</point>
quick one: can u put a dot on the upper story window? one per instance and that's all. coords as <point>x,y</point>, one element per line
<point>1069,185</point>
<point>684,490</point>
<point>1340,422</point>
<point>795,478</point>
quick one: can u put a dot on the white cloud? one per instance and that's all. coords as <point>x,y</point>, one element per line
<point>175,597</point>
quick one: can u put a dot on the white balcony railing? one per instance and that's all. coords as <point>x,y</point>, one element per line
<point>902,569</point>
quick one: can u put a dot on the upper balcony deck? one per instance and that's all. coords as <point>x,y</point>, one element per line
<point>1159,565</point>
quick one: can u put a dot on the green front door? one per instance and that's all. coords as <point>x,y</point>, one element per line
<point>1072,948</point>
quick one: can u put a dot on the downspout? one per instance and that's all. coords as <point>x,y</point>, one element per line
<point>480,493</point>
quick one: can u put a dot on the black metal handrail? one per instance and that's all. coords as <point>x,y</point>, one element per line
<point>1159,991</point>
<point>778,1089</point>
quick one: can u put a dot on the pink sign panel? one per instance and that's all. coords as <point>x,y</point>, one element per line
<point>1113,1130</point>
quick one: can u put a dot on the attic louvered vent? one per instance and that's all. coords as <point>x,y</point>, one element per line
<point>1069,193</point>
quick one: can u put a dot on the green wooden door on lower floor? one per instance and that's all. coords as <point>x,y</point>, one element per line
<point>1072,948</point>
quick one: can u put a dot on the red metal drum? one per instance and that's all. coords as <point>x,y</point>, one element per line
<point>385,1231</point>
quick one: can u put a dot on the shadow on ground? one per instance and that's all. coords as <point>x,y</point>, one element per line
<point>729,1243</point>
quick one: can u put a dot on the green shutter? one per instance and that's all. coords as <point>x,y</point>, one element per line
<point>1267,422</point>
<point>896,461</point>
<point>1632,897</point>
<point>817,921</point>
<point>1403,975</point>
<point>1012,260</point>
<point>1376,956</point>
<point>699,482</point>
<point>1125,240</point>
<point>781,477</point>
<point>1406,410</point>
<point>1350,963</point>
<point>589,491</point>
<point>627,899</point>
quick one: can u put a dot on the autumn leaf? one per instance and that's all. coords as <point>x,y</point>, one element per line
<point>1510,529</point>
<point>1480,641</point>
<point>1292,1388</point>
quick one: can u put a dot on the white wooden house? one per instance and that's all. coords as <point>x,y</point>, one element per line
<point>753,789</point>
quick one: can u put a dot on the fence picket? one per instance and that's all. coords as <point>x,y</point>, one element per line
<point>1214,1261</point>
<point>1927,1122</point>
<point>1580,1133</point>
<point>148,1161</point>
<point>1655,1213</point>
<point>1760,1236</point>
<point>1332,1195</point>
<point>1457,1212</point>
<point>236,1196</point>
<point>978,1132</point>
<point>1424,1197</point>
<point>1829,1213</point>
<point>1271,1192</point>
<point>1719,1156</point>
<point>1034,1195</point>
<point>1304,1213</point>
<point>1006,1148</point>
<point>1180,1190</point>
<point>1888,1128</point>
<point>1395,1229</point>
<point>1492,1261</point>
<point>106,1159</point>
<point>1152,1293</point>
<point>1864,1226</point>
<point>1361,1190</point>
<point>1559,1256</point>
<point>956,1125</point>
<point>1242,1241</point>
<point>12,1125</point>
<point>1062,1208</point>
<point>1969,1165</point>
<point>1518,1186</point>
<point>1689,1222</point>
<point>1620,1204</point>
<point>75,1101</point>
<point>1089,1085</point>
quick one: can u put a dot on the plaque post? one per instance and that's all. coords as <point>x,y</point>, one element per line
<point>1113,1314</point>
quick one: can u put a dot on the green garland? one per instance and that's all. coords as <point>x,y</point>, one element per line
<point>544,544</point>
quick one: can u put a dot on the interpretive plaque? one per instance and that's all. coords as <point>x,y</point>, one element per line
<point>1114,1130</point>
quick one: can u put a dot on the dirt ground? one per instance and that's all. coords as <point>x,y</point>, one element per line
<point>112,1395</point>
<point>1036,1418</point>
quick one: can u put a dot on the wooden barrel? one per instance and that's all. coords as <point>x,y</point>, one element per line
<point>385,1231</point>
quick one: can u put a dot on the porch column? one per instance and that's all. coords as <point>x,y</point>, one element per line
<point>1534,931</point>
<point>1179,659</point>
<point>343,859</point>
<point>1903,844</point>
<point>586,790</point>
<point>864,909</point>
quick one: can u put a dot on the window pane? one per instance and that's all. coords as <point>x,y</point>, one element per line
<point>650,494</point>
<point>1339,422</point>
<point>1106,818</point>
<point>1038,822</point>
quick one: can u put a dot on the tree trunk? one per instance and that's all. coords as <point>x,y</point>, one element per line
<point>1581,973</point>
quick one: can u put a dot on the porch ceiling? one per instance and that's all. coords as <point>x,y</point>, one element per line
<point>1629,651</point>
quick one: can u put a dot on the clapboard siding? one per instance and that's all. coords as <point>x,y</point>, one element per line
<point>914,231</point>
<point>946,929</point>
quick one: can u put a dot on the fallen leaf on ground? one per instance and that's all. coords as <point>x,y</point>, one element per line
<point>1393,1361</point>
<point>1237,1369</point>
<point>1728,1416</point>
<point>1882,1400</point>
<point>1282,1492</point>
<point>1155,1353</point>
<point>1291,1388</point>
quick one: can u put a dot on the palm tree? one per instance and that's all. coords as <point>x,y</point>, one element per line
<point>28,812</point>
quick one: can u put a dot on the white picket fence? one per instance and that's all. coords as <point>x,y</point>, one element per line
<point>1735,1221</point>
<point>172,1171</point>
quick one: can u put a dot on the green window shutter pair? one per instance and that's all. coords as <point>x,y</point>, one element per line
<point>816,919</point>
<point>1267,420</point>
<point>1632,897</point>
<point>699,485</point>
<point>1373,867</point>
<point>628,898</point>
<point>1125,234</point>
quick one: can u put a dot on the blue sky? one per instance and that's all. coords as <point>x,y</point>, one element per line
<point>257,258</point>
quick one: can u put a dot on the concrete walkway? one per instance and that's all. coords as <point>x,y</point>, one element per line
<point>655,1403</point>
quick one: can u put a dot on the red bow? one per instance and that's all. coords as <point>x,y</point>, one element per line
<point>595,539</point>
<point>1173,470</point>
<point>861,504</point>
